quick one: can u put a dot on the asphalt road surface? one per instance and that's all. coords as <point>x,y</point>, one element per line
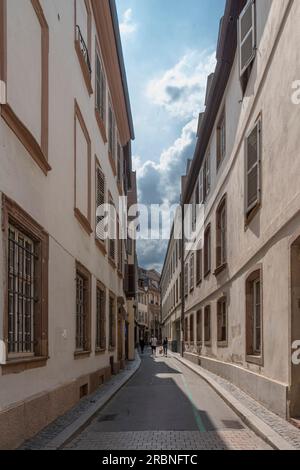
<point>166,406</point>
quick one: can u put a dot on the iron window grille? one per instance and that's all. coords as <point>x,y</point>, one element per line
<point>83,48</point>
<point>21,293</point>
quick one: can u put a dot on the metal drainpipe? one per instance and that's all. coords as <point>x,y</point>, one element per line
<point>182,280</point>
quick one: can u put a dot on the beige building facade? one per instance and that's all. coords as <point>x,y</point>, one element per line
<point>240,279</point>
<point>65,134</point>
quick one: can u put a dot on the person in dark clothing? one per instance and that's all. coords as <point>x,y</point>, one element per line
<point>142,345</point>
<point>165,346</point>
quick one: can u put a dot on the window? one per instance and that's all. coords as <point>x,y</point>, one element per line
<point>186,280</point>
<point>201,196</point>
<point>221,228</point>
<point>199,266</point>
<point>112,323</point>
<point>100,200</point>
<point>113,234</point>
<point>180,282</point>
<point>83,39</point>
<point>112,134</point>
<point>253,169</point>
<point>221,139</point>
<point>186,330</point>
<point>83,307</point>
<point>207,251</point>
<point>222,320</point>
<point>199,326</point>
<point>119,164</point>
<point>254,314</point>
<point>26,328</point>
<point>247,37</point>
<point>100,88</point>
<point>100,318</point>
<point>82,168</point>
<point>192,272</point>
<point>206,177</point>
<point>192,336</point>
<point>207,325</point>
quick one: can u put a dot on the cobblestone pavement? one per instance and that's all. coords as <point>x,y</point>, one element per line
<point>288,431</point>
<point>165,406</point>
<point>167,440</point>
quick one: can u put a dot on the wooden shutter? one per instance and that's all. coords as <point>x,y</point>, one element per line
<point>247,40</point>
<point>100,200</point>
<point>253,189</point>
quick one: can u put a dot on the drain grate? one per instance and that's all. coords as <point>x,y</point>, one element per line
<point>231,424</point>
<point>107,418</point>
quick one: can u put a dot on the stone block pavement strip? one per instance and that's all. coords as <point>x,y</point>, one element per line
<point>273,429</point>
<point>58,433</point>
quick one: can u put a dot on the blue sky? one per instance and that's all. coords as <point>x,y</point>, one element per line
<point>169,49</point>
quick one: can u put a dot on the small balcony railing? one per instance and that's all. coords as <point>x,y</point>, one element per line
<point>83,48</point>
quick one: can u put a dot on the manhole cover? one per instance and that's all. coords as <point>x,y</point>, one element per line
<point>107,418</point>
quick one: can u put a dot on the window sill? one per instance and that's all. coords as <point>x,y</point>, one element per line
<point>101,246</point>
<point>84,222</point>
<point>84,68</point>
<point>26,138</point>
<point>101,126</point>
<point>82,354</point>
<point>252,359</point>
<point>222,344</point>
<point>220,269</point>
<point>100,352</point>
<point>251,215</point>
<point>112,163</point>
<point>16,366</point>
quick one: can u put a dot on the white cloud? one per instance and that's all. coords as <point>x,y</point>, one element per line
<point>181,90</point>
<point>127,26</point>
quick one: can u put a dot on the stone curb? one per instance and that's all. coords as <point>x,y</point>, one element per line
<point>262,429</point>
<point>80,423</point>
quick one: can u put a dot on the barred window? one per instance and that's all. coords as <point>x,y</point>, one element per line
<point>22,292</point>
<point>100,319</point>
<point>82,310</point>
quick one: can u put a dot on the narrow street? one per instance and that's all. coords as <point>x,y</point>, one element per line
<point>168,407</point>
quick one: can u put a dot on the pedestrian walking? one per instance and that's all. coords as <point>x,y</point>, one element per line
<point>153,344</point>
<point>165,346</point>
<point>142,345</point>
